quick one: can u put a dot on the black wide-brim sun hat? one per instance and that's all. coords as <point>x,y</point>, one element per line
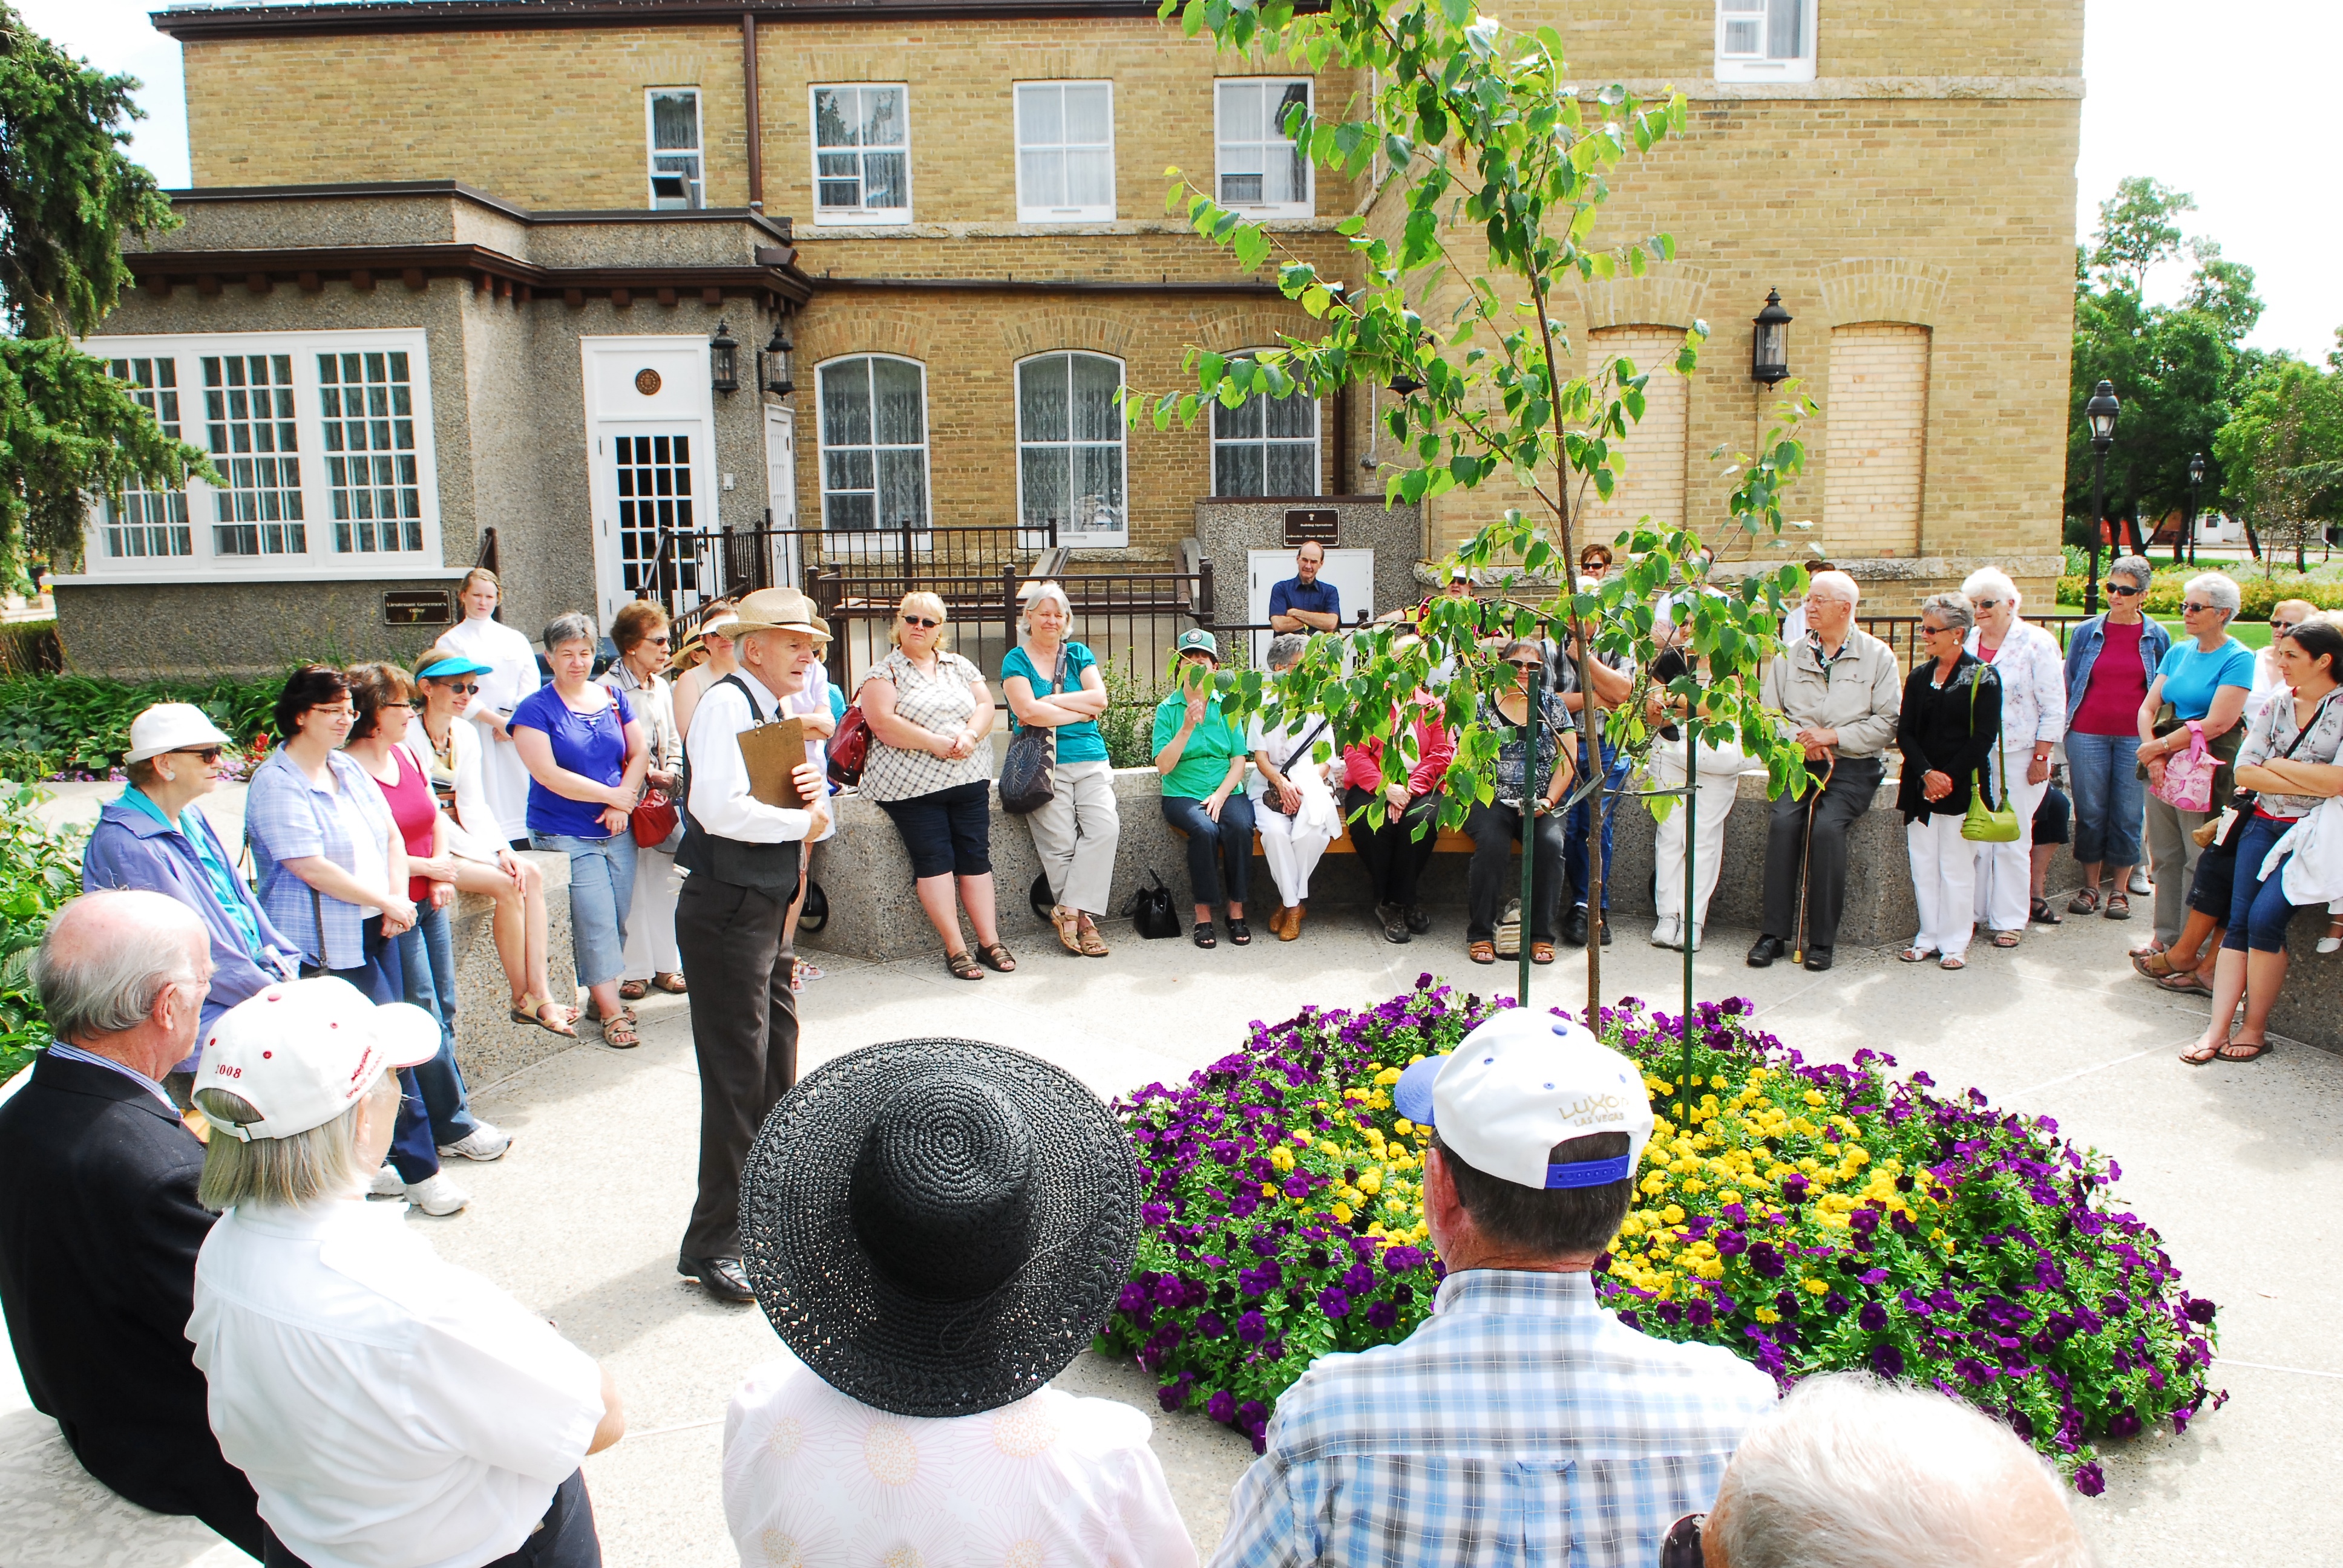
<point>938,1227</point>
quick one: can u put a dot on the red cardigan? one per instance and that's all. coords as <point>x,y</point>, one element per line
<point>1362,765</point>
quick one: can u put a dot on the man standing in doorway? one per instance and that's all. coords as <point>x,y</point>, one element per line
<point>1301,603</point>
<point>740,857</point>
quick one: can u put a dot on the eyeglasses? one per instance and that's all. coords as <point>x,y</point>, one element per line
<point>1984,603</point>
<point>2125,592</point>
<point>2283,628</point>
<point>1927,630</point>
<point>1529,664</point>
<point>656,641</point>
<point>207,754</point>
<point>461,688</point>
<point>922,622</point>
<point>1680,1547</point>
<point>2192,607</point>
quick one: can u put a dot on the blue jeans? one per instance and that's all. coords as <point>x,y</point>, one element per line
<point>2109,797</point>
<point>2258,910</point>
<point>427,953</point>
<point>1220,854</point>
<point>383,978</point>
<point>1573,837</point>
<point>601,890</point>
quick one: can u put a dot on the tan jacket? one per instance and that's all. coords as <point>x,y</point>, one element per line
<point>1860,695</point>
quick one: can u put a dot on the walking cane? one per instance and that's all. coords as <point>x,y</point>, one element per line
<point>1807,860</point>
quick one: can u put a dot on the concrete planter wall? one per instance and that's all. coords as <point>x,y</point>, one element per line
<point>488,1044</point>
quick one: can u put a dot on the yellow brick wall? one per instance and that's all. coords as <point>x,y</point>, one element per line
<point>1652,459</point>
<point>1877,459</point>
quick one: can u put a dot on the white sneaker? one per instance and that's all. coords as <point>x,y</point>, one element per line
<point>484,1142</point>
<point>387,1183</point>
<point>1664,935</point>
<point>434,1194</point>
<point>1695,938</point>
<point>2330,944</point>
<point>2139,884</point>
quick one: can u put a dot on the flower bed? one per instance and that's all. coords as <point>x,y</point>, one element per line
<point>1811,1218</point>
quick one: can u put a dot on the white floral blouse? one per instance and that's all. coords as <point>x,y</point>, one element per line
<point>2274,731</point>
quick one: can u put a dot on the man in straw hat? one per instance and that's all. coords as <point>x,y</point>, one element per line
<point>739,860</point>
<point>1520,1405</point>
<point>936,1229</point>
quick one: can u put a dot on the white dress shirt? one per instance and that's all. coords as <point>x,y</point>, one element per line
<point>720,801</point>
<point>392,1411</point>
<point>814,1478</point>
<point>512,675</point>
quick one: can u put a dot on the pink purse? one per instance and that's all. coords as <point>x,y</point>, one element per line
<point>2188,775</point>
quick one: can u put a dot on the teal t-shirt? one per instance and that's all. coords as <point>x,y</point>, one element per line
<point>2191,676</point>
<point>1076,742</point>
<point>1204,760</point>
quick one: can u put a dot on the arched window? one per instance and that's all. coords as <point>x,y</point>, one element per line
<point>1266,446</point>
<point>874,442</point>
<point>1070,452</point>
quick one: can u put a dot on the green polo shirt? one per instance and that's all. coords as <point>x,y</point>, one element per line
<point>1204,760</point>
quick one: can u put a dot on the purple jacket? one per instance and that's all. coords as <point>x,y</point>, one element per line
<point>130,848</point>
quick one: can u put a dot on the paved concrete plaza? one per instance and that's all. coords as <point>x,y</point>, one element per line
<point>2236,1165</point>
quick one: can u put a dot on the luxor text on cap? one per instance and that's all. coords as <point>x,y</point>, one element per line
<point>1521,1083</point>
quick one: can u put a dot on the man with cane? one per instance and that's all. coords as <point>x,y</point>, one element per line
<point>1838,692</point>
<point>740,857</point>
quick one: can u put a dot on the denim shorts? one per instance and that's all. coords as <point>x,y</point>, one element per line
<point>947,832</point>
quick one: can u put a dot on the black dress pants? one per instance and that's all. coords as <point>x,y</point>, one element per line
<point>564,1538</point>
<point>744,1031</point>
<point>1393,856</point>
<point>1496,828</point>
<point>1852,789</point>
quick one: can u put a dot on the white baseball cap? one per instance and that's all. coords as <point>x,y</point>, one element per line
<point>1521,1083</point>
<point>171,726</point>
<point>303,1051</point>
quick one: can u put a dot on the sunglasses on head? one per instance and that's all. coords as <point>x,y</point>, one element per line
<point>207,754</point>
<point>2125,592</point>
<point>922,622</point>
<point>1680,1547</point>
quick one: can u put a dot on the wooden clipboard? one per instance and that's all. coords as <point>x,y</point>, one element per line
<point>774,752</point>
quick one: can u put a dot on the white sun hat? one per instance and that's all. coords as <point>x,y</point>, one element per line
<point>1521,1083</point>
<point>303,1051</point>
<point>171,726</point>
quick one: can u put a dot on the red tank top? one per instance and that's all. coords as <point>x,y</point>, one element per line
<point>414,809</point>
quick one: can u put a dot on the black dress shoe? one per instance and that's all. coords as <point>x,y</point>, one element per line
<point>1574,927</point>
<point>720,1277</point>
<point>1417,920</point>
<point>1395,923</point>
<point>1763,951</point>
<point>1603,925</point>
<point>1818,959</point>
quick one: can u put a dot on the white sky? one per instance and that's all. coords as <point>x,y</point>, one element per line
<point>2228,112</point>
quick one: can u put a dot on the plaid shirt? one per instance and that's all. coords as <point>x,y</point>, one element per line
<point>1520,1425</point>
<point>287,818</point>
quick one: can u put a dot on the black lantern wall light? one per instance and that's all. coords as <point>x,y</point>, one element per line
<point>776,364</point>
<point>1769,346</point>
<point>724,360</point>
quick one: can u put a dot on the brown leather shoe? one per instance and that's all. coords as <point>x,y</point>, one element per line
<point>1293,921</point>
<point>1286,922</point>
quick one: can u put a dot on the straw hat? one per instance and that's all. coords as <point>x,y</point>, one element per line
<point>778,609</point>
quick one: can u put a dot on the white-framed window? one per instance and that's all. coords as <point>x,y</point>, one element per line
<point>1065,151</point>
<point>1266,446</point>
<point>1764,40</point>
<point>322,442</point>
<point>874,442</point>
<point>862,154</point>
<point>1069,453</point>
<point>672,119</point>
<point>142,521</point>
<point>1260,168</point>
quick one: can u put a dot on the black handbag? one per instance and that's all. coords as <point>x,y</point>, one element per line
<point>815,914</point>
<point>1150,910</point>
<point>1027,773</point>
<point>1040,897</point>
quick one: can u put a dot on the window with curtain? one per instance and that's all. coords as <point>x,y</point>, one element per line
<point>874,442</point>
<point>1260,168</point>
<point>863,154</point>
<point>1065,151</point>
<point>141,522</point>
<point>1070,454</point>
<point>1266,446</point>
<point>1764,40</point>
<point>676,172</point>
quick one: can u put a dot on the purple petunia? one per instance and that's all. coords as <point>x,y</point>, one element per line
<point>2088,1481</point>
<point>1333,1302</point>
<point>1873,1317</point>
<point>1887,1360</point>
<point>1222,1406</point>
<point>1252,1327</point>
<point>1382,1314</point>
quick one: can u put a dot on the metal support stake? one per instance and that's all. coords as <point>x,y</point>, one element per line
<point>1532,790</point>
<point>1686,926</point>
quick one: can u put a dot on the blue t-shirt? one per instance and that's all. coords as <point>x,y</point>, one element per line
<point>591,745</point>
<point>2191,676</point>
<point>1076,742</point>
<point>1319,597</point>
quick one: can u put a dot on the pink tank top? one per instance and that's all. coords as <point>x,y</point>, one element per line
<point>415,810</point>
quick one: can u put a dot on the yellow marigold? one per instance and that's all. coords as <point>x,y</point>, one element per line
<point>1341,1212</point>
<point>1416,1058</point>
<point>1695,1184</point>
<point>1727,1195</point>
<point>1632,1225</point>
<point>1370,1181</point>
<point>1654,1184</point>
<point>1857,1154</point>
<point>1815,1287</point>
<point>1269,1189</point>
<point>1330,1148</point>
<point>1711,1269</point>
<point>1768,1315</point>
<point>1673,1214</point>
<point>1387,1077</point>
<point>1813,1097</point>
<point>1302,1135</point>
<point>1403,1127</point>
<point>1281,1157</point>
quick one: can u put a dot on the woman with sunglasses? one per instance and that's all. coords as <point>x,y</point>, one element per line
<point>449,682</point>
<point>929,768</point>
<point>1496,826</point>
<point>1947,729</point>
<point>2111,660</point>
<point>2200,689</point>
<point>639,631</point>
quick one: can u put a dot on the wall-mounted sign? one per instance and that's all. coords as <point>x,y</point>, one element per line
<point>647,382</point>
<point>1303,523</point>
<point>424,607</point>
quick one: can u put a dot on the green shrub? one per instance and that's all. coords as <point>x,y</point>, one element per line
<point>1128,725</point>
<point>39,871</point>
<point>63,724</point>
<point>29,647</point>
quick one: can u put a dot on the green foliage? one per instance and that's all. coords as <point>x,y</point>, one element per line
<point>2283,454</point>
<point>53,724</point>
<point>29,647</point>
<point>2136,230</point>
<point>39,871</point>
<point>1128,725</point>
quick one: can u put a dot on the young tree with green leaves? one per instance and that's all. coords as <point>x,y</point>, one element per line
<point>2282,455</point>
<point>1498,173</point>
<point>69,431</point>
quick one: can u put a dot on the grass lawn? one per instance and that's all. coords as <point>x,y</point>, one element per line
<point>2254,634</point>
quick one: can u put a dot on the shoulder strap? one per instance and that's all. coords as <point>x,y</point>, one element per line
<point>1302,745</point>
<point>742,687</point>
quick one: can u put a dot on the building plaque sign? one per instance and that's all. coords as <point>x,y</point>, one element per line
<point>1305,524</point>
<point>647,382</point>
<point>426,607</point>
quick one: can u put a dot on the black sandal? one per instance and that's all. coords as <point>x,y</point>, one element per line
<point>962,966</point>
<point>2042,914</point>
<point>1203,937</point>
<point>997,959</point>
<point>1239,932</point>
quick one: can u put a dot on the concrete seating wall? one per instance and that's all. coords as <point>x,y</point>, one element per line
<point>488,1044</point>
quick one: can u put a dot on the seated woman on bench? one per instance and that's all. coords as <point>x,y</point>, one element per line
<point>1496,826</point>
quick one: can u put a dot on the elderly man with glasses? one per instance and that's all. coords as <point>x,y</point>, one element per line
<point>1839,693</point>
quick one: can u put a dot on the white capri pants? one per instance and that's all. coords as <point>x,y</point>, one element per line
<point>651,923</point>
<point>1292,847</point>
<point>1720,782</point>
<point>2004,872</point>
<point>1075,835</point>
<point>1944,881</point>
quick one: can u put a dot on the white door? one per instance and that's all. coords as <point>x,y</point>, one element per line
<point>1353,573</point>
<point>781,492</point>
<point>650,450</point>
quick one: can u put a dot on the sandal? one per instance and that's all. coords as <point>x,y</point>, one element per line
<point>619,1034</point>
<point>2118,906</point>
<point>1202,935</point>
<point>1070,929</point>
<point>2189,983</point>
<point>1541,953</point>
<point>2333,939</point>
<point>2085,901</point>
<point>809,971</point>
<point>2042,914</point>
<point>2156,965</point>
<point>997,959</point>
<point>2198,1055</point>
<point>1952,961</point>
<point>634,991</point>
<point>2153,945</point>
<point>670,983</point>
<point>962,966</point>
<point>1481,952</point>
<point>2244,1051</point>
<point>1093,945</point>
<point>797,974</point>
<point>529,1009</point>
<point>2005,939</point>
<point>1916,955</point>
<point>1239,932</point>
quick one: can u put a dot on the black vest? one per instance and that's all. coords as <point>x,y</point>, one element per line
<point>770,869</point>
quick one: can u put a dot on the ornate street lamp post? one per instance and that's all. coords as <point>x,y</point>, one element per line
<point>2101,411</point>
<point>2196,477</point>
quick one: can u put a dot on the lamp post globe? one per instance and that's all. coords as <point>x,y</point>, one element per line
<point>2101,411</point>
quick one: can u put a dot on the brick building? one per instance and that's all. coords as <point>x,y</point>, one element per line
<point>455,265</point>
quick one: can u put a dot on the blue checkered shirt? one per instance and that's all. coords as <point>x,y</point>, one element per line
<point>1521,1423</point>
<point>287,818</point>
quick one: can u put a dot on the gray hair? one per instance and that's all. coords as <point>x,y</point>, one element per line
<point>1286,649</point>
<point>2220,591</point>
<point>1850,1473</point>
<point>1049,590</point>
<point>2139,569</point>
<point>571,627</point>
<point>1993,582</point>
<point>1952,610</point>
<point>1838,584</point>
<point>279,1172</point>
<point>100,983</point>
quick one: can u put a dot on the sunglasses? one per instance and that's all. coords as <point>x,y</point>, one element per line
<point>2193,608</point>
<point>460,688</point>
<point>922,622</point>
<point>1984,603</point>
<point>1938,630</point>
<point>1680,1547</point>
<point>656,641</point>
<point>206,754</point>
<point>1531,665</point>
<point>2283,628</point>
<point>2125,592</point>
